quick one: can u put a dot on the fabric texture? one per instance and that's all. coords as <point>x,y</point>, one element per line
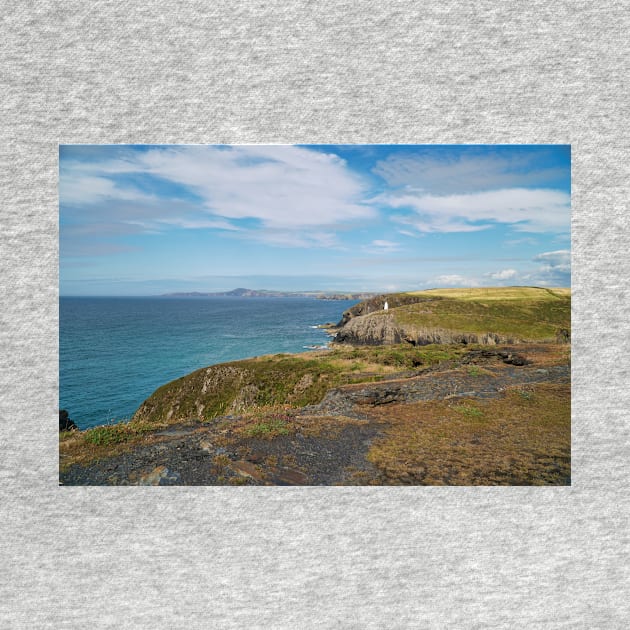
<point>303,72</point>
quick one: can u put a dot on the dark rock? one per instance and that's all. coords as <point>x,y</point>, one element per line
<point>247,469</point>
<point>516,359</point>
<point>65,423</point>
<point>159,476</point>
<point>507,357</point>
<point>290,477</point>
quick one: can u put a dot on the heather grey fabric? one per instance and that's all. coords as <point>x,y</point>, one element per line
<point>346,72</point>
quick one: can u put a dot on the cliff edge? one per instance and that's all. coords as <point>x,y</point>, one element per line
<point>470,316</point>
<point>411,395</point>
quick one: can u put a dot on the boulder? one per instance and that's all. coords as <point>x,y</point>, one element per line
<point>65,424</point>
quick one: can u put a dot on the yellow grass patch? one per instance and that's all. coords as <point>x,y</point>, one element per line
<point>522,438</point>
<point>498,293</point>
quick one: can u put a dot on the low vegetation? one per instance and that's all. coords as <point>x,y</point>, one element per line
<point>260,390</point>
<point>521,313</point>
<point>519,437</point>
<point>502,294</point>
<point>298,380</point>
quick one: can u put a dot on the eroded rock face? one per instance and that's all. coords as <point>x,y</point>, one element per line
<point>377,303</point>
<point>217,376</point>
<point>244,399</point>
<point>382,329</point>
<point>370,330</point>
<point>191,396</point>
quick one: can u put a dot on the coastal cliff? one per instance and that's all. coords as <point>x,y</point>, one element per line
<point>383,329</point>
<point>414,395</point>
<point>376,303</point>
<point>476,316</point>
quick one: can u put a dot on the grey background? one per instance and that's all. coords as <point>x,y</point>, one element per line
<point>347,72</point>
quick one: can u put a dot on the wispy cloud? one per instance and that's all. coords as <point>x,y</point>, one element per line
<point>560,259</point>
<point>280,195</point>
<point>281,186</point>
<point>467,172</point>
<point>380,246</point>
<point>526,240</point>
<point>504,274</point>
<point>525,210</point>
<point>78,187</point>
<point>453,280</point>
<point>92,249</point>
<point>393,216</point>
<point>554,269</point>
<point>292,238</point>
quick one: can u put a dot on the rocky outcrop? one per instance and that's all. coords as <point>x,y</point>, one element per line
<point>370,330</point>
<point>65,423</point>
<point>377,303</point>
<point>382,329</point>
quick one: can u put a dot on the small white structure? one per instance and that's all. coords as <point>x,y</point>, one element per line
<point>386,306</point>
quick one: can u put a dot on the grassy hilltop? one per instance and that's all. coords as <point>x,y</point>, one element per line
<point>388,409</point>
<point>525,313</point>
<point>483,315</point>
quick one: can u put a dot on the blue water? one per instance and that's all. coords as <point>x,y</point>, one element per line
<point>115,352</point>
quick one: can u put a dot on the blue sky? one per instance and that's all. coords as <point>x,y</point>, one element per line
<point>147,220</point>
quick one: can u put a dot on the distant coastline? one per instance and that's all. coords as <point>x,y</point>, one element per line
<point>264,293</point>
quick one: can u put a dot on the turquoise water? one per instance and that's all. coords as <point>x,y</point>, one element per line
<point>115,352</point>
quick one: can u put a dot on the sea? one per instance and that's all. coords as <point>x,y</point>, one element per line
<point>114,352</point>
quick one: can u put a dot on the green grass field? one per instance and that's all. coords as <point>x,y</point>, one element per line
<point>525,313</point>
<point>498,293</point>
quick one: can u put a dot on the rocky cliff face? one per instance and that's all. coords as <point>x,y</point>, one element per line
<point>376,304</point>
<point>370,330</point>
<point>378,329</point>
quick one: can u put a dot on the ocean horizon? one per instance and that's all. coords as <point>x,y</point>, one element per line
<point>115,351</point>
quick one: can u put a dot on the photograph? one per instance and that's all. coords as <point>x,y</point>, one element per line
<point>315,315</point>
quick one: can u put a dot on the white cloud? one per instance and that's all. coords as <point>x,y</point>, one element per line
<point>297,196</point>
<point>292,238</point>
<point>453,280</point>
<point>505,274</point>
<point>526,210</point>
<point>468,172</point>
<point>201,223</point>
<point>75,187</point>
<point>560,259</point>
<point>554,270</point>
<point>379,246</point>
<point>526,240</point>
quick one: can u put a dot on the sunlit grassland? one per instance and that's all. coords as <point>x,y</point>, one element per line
<point>521,438</point>
<point>521,313</point>
<point>498,293</point>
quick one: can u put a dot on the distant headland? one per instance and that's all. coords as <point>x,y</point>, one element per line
<point>262,293</point>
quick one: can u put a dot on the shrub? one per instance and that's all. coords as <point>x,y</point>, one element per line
<point>467,410</point>
<point>268,429</point>
<point>114,434</point>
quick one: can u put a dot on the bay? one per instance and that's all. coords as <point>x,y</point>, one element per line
<point>115,352</point>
